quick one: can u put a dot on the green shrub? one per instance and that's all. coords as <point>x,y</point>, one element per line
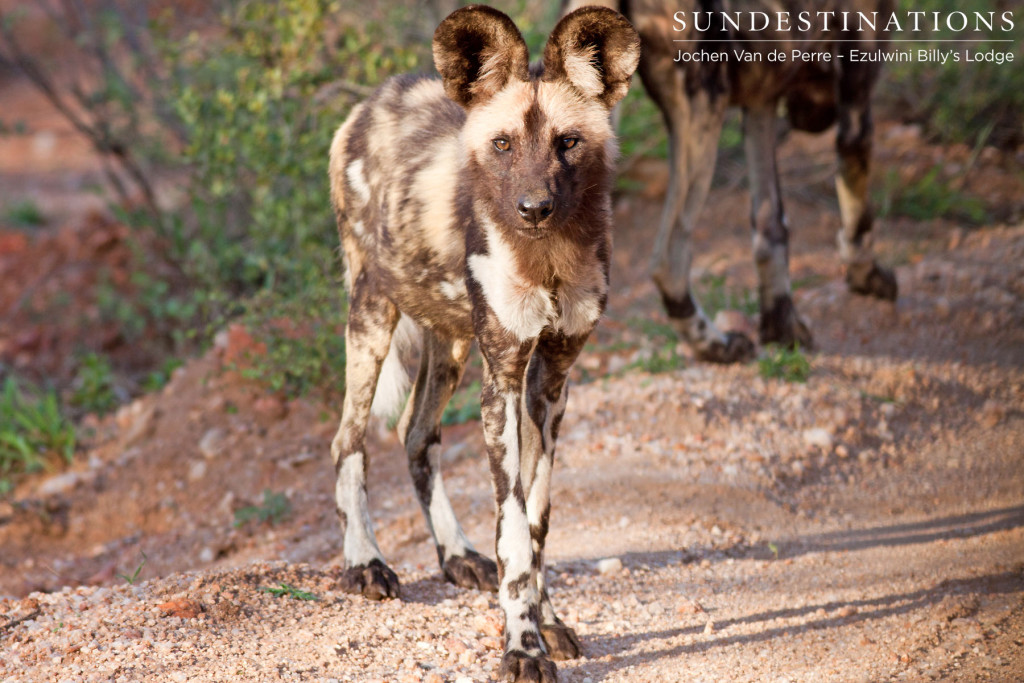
<point>464,406</point>
<point>93,389</point>
<point>960,101</point>
<point>305,340</point>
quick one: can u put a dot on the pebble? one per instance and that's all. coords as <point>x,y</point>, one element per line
<point>60,484</point>
<point>608,566</point>
<point>212,442</point>
<point>197,470</point>
<point>818,437</point>
<point>270,409</point>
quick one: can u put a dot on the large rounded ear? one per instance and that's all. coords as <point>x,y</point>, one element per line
<point>596,50</point>
<point>477,51</point>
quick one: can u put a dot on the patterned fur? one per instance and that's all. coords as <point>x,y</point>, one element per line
<point>693,97</point>
<point>478,206</point>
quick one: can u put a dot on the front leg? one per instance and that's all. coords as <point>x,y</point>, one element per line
<point>779,319</point>
<point>505,361</point>
<point>544,405</point>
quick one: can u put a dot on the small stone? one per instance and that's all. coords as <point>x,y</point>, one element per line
<point>991,414</point>
<point>197,470</point>
<point>491,643</point>
<point>847,611</point>
<point>270,409</point>
<point>433,677</point>
<point>455,646</point>
<point>60,484</point>
<point>140,426</point>
<point>609,566</point>
<point>181,607</point>
<point>818,437</point>
<point>956,236</point>
<point>212,442</point>
<point>488,624</point>
<point>207,555</point>
<point>709,627</point>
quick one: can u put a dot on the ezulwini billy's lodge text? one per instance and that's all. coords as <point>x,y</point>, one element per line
<point>935,55</point>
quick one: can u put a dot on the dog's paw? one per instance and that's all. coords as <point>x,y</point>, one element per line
<point>873,281</point>
<point>736,348</point>
<point>472,570</point>
<point>373,580</point>
<point>519,667</point>
<point>561,641</point>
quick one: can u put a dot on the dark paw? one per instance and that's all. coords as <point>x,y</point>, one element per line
<point>561,641</point>
<point>472,570</point>
<point>781,325</point>
<point>519,667</point>
<point>737,348</point>
<point>374,580</point>
<point>874,281</point>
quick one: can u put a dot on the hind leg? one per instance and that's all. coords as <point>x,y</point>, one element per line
<point>372,320</point>
<point>420,429</point>
<point>779,320</point>
<point>853,143</point>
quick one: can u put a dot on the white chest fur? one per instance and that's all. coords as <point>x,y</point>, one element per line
<point>524,308</point>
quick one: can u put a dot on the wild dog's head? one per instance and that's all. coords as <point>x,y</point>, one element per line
<point>539,143</point>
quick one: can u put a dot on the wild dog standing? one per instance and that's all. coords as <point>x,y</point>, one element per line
<point>479,206</point>
<point>693,96</point>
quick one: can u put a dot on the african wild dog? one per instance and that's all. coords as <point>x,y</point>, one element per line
<point>478,206</point>
<point>693,96</point>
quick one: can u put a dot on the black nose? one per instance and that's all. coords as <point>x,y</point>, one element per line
<point>535,206</point>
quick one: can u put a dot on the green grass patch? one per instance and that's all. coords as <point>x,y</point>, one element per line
<point>716,296</point>
<point>790,365</point>
<point>24,214</point>
<point>134,576</point>
<point>664,359</point>
<point>928,197</point>
<point>274,510</point>
<point>33,432</point>
<point>284,589</point>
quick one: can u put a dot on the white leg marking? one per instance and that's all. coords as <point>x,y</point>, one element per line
<point>444,525</point>
<point>360,543</point>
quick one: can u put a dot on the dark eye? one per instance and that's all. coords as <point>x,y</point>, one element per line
<point>501,144</point>
<point>569,142</point>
